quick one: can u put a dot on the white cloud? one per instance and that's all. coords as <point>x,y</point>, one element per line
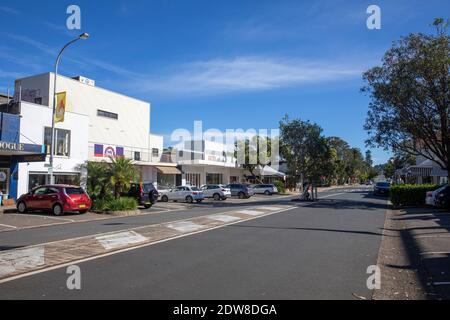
<point>245,74</point>
<point>9,10</point>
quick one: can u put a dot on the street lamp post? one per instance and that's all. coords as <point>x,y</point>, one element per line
<point>58,59</point>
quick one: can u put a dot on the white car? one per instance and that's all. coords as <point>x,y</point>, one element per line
<point>183,193</point>
<point>216,191</point>
<point>430,198</point>
<point>267,189</point>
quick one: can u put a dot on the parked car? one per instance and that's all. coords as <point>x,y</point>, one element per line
<point>241,190</point>
<point>183,193</point>
<point>145,193</point>
<point>443,198</point>
<point>382,188</point>
<point>55,198</point>
<point>430,198</point>
<point>267,189</point>
<point>216,191</point>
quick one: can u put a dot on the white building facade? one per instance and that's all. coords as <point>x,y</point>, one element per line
<point>117,125</point>
<point>70,152</point>
<point>207,162</point>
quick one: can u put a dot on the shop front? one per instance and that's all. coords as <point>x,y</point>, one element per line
<point>12,152</point>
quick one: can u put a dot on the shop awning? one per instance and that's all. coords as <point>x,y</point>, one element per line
<point>169,170</point>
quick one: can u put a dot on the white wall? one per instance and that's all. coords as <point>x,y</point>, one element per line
<point>34,119</point>
<point>130,131</point>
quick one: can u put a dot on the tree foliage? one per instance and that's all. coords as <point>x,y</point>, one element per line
<point>305,149</point>
<point>410,97</point>
<point>254,153</point>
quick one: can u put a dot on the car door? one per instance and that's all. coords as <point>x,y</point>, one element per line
<point>177,193</point>
<point>50,198</point>
<point>37,198</point>
<point>206,191</point>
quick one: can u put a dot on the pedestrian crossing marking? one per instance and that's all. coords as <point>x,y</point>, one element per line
<point>121,239</point>
<point>250,212</point>
<point>223,218</point>
<point>184,226</point>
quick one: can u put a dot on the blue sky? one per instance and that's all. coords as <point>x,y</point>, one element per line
<point>231,64</point>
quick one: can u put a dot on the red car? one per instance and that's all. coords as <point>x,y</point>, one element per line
<point>55,198</point>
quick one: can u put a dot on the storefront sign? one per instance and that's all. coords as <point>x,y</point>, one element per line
<point>102,151</point>
<point>31,158</point>
<point>12,146</point>
<point>19,148</point>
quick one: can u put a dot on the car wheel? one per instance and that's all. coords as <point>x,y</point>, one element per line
<point>216,196</point>
<point>21,207</point>
<point>147,206</point>
<point>267,193</point>
<point>189,199</point>
<point>164,198</point>
<point>224,198</point>
<point>58,210</point>
<point>241,195</point>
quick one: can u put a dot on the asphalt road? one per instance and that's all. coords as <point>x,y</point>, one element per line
<point>315,251</point>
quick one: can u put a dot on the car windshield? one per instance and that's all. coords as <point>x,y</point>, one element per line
<point>383,184</point>
<point>74,191</point>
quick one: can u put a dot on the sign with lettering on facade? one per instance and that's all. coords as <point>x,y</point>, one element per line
<point>102,151</point>
<point>15,147</point>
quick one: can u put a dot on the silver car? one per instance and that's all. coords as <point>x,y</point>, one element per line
<point>183,193</point>
<point>267,189</point>
<point>216,191</point>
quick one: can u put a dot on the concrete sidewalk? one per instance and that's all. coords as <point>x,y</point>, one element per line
<point>415,255</point>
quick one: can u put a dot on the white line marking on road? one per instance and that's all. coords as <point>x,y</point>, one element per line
<point>250,212</point>
<point>41,217</point>
<point>272,208</point>
<point>184,226</point>
<point>7,226</point>
<point>20,259</point>
<point>223,218</point>
<point>441,283</point>
<point>31,273</point>
<point>434,253</point>
<point>121,239</point>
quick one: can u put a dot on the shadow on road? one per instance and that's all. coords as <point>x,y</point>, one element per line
<point>428,252</point>
<point>308,229</point>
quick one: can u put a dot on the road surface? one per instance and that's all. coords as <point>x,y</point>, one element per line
<point>309,251</point>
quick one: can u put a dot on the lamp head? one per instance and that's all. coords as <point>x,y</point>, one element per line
<point>84,36</point>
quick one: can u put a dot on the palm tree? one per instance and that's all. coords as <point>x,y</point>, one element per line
<point>121,173</point>
<point>97,182</point>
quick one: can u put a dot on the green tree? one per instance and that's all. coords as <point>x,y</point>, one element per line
<point>97,182</point>
<point>339,148</point>
<point>305,149</point>
<point>254,153</point>
<point>410,93</point>
<point>121,173</point>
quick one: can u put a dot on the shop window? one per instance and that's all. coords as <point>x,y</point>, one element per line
<point>193,179</point>
<point>39,179</point>
<point>106,114</point>
<point>62,142</point>
<point>214,178</point>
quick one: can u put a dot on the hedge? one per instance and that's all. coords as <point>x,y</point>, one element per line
<point>280,186</point>
<point>409,194</point>
<point>120,204</point>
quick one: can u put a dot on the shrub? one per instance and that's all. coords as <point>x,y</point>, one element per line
<point>280,186</point>
<point>119,204</point>
<point>410,195</point>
